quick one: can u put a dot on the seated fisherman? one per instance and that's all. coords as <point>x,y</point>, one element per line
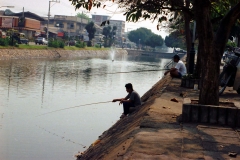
<point>131,100</point>
<point>179,70</point>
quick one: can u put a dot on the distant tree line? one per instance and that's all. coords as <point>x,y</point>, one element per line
<point>145,37</point>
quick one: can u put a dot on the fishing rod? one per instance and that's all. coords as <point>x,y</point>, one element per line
<point>98,102</point>
<point>130,72</point>
<point>73,107</point>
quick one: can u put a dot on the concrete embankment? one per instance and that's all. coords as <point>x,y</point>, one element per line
<point>6,54</point>
<point>155,131</point>
<point>113,143</point>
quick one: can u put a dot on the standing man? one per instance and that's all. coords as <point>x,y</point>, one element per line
<point>179,70</point>
<point>131,100</point>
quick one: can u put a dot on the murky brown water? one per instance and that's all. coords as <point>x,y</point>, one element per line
<point>29,88</point>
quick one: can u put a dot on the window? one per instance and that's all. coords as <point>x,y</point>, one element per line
<point>70,25</point>
<point>59,24</point>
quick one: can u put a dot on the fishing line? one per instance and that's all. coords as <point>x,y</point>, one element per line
<point>73,107</point>
<point>62,137</point>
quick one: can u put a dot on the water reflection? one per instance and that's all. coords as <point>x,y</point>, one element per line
<point>34,87</point>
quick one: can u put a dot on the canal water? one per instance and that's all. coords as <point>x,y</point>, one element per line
<point>31,88</point>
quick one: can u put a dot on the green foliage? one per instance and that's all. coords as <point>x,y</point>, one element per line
<point>109,34</point>
<point>97,46</point>
<point>80,44</point>
<point>154,40</point>
<point>4,41</point>
<point>83,16</point>
<point>56,43</point>
<point>91,29</point>
<point>61,44</point>
<point>231,44</point>
<point>176,40</point>
<point>145,36</point>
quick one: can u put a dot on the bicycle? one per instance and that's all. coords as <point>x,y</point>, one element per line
<point>230,70</point>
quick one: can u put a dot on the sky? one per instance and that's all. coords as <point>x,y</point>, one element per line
<point>40,7</point>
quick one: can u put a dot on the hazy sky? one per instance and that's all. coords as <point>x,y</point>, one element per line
<point>40,7</point>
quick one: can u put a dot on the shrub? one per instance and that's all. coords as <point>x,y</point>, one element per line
<point>56,43</point>
<point>4,41</point>
<point>80,44</point>
<point>61,44</point>
<point>97,45</point>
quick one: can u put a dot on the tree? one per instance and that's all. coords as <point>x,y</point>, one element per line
<point>140,34</point>
<point>90,27</point>
<point>145,37</point>
<point>154,41</point>
<point>83,16</point>
<point>109,34</point>
<point>211,45</point>
<point>175,40</point>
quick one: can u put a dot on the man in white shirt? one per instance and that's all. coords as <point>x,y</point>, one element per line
<point>179,70</point>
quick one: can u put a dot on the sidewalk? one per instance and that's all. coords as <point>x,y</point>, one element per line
<point>154,132</point>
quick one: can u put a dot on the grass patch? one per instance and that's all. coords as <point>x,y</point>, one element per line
<point>72,48</point>
<point>24,46</point>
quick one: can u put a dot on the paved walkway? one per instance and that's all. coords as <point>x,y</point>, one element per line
<point>154,132</point>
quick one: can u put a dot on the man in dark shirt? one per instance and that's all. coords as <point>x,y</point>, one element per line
<point>131,100</point>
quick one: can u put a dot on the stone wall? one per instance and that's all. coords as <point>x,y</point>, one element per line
<point>6,54</point>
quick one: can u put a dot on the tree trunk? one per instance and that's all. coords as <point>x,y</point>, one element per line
<point>210,71</point>
<point>198,65</point>
<point>211,48</point>
<point>188,37</point>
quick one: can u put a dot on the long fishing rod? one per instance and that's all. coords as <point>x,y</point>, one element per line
<point>131,72</point>
<point>73,107</point>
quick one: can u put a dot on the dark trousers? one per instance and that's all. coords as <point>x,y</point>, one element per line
<point>126,106</point>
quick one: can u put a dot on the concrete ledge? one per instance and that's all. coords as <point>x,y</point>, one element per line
<point>222,115</point>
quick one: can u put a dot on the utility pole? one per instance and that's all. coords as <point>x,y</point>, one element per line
<point>56,1</point>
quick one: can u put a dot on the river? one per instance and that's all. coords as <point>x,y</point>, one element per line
<point>31,88</point>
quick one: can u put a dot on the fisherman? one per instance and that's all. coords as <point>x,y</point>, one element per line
<point>131,100</point>
<point>179,70</point>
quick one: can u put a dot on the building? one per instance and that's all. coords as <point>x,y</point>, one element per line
<point>25,22</point>
<point>98,19</point>
<point>72,25</point>
<point>120,34</point>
